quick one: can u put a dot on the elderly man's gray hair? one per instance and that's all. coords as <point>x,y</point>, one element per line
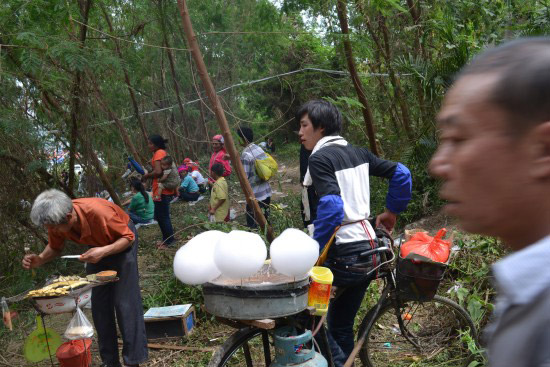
<point>51,207</point>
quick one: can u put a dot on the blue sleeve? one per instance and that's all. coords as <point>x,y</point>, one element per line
<point>330,214</point>
<point>400,189</point>
<point>136,165</point>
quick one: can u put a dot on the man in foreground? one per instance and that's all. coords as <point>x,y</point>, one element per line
<point>112,240</point>
<point>494,160</point>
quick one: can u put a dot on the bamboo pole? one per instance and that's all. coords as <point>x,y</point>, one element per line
<point>367,113</point>
<point>222,121</point>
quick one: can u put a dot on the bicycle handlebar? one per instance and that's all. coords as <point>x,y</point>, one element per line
<point>374,251</point>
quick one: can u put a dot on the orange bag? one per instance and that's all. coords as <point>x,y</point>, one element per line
<point>434,248</point>
<point>75,353</point>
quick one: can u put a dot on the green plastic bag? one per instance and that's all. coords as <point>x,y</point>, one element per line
<point>266,168</point>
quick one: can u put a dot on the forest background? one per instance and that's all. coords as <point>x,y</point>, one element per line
<point>94,78</point>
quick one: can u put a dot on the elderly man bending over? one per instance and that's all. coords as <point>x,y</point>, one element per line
<point>113,242</point>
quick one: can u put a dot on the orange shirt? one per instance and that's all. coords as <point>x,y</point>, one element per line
<point>101,223</point>
<point>157,156</point>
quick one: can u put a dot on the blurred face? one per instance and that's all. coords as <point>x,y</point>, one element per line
<point>164,165</point>
<point>309,136</point>
<point>216,146</point>
<point>483,164</point>
<point>152,147</point>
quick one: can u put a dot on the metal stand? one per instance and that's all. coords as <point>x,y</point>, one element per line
<point>46,336</point>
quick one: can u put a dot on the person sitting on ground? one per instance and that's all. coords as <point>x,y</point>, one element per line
<point>498,112</point>
<point>189,163</point>
<point>141,209</point>
<point>219,200</point>
<point>219,156</point>
<point>188,190</point>
<point>261,189</point>
<point>199,179</point>
<point>112,244</point>
<point>169,175</point>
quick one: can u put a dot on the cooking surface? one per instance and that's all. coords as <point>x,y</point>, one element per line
<point>266,276</point>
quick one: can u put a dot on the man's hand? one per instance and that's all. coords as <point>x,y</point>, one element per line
<point>31,261</point>
<point>93,255</point>
<point>212,211</point>
<point>386,220</point>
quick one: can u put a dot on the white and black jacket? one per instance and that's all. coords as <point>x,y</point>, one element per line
<point>339,173</point>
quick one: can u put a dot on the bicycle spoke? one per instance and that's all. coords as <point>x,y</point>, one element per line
<point>429,332</point>
<point>247,356</point>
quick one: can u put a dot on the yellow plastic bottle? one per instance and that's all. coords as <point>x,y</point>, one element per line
<point>319,289</point>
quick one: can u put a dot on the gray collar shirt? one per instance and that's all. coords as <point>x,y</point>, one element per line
<point>519,334</point>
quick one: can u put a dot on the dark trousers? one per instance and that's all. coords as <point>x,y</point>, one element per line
<point>351,291</point>
<point>137,219</point>
<point>188,196</point>
<point>162,216</point>
<point>250,220</point>
<point>123,299</point>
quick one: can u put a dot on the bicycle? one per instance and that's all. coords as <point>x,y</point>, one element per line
<point>398,330</point>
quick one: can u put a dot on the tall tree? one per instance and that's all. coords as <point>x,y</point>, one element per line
<point>357,84</point>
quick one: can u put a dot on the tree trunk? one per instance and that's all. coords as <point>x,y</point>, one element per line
<point>367,113</point>
<point>414,10</point>
<point>178,96</point>
<point>201,106</point>
<point>123,133</point>
<point>127,80</point>
<point>395,82</point>
<point>84,6</point>
<point>222,122</point>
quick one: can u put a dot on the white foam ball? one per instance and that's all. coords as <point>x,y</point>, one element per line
<point>194,262</point>
<point>240,254</point>
<point>293,253</point>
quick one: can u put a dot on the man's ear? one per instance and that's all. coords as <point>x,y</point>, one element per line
<point>540,151</point>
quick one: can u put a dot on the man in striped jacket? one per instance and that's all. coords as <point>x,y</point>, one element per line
<point>339,174</point>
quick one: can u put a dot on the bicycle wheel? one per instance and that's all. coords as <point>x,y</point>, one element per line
<point>248,347</point>
<point>436,326</point>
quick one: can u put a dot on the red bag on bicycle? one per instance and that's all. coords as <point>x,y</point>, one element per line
<point>434,248</point>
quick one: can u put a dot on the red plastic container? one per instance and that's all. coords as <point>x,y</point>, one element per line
<point>75,353</point>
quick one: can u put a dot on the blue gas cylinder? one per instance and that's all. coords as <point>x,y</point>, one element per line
<point>290,349</point>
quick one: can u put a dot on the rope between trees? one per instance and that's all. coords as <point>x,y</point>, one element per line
<point>250,82</point>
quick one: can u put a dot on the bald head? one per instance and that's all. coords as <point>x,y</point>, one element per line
<point>522,80</point>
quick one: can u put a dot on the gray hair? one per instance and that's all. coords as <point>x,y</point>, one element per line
<point>51,207</point>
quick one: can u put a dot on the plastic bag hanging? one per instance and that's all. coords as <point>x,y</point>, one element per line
<point>79,327</point>
<point>434,248</point>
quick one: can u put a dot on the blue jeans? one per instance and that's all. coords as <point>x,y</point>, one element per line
<point>162,216</point>
<point>343,309</point>
<point>137,219</point>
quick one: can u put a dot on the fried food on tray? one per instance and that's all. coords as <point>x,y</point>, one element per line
<point>60,287</point>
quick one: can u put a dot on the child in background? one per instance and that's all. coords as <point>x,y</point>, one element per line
<point>188,190</point>
<point>199,179</point>
<point>170,178</point>
<point>218,209</point>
